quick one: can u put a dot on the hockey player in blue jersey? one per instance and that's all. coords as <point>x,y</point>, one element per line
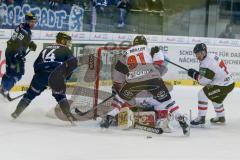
<point>15,53</point>
<point>57,60</point>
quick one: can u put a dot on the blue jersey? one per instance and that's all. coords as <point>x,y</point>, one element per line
<point>20,39</point>
<point>51,57</point>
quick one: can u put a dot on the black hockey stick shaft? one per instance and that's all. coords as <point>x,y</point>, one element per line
<point>148,128</point>
<point>14,98</point>
<point>176,65</point>
<point>27,53</point>
<point>106,100</point>
<point>80,113</point>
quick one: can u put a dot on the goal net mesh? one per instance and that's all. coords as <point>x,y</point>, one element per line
<point>93,77</point>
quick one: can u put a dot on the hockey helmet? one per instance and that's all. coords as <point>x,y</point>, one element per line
<point>30,16</point>
<point>139,40</point>
<point>63,38</point>
<point>200,47</point>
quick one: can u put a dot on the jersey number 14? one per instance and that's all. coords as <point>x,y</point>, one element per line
<point>48,56</point>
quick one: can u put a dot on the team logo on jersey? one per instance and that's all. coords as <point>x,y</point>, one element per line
<point>214,92</point>
<point>139,73</point>
<point>127,93</point>
<point>137,49</point>
<point>161,95</point>
<point>145,86</point>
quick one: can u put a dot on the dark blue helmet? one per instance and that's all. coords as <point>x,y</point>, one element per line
<point>200,47</point>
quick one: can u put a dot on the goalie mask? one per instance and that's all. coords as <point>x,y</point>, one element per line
<point>139,40</point>
<point>64,39</point>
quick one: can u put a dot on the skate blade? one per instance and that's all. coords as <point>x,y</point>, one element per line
<point>167,130</point>
<point>198,126</point>
<point>218,123</point>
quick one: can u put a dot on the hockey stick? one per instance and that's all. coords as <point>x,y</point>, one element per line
<point>19,96</point>
<point>80,113</point>
<point>14,98</point>
<point>105,100</point>
<point>148,128</point>
<point>27,52</point>
<point>176,65</point>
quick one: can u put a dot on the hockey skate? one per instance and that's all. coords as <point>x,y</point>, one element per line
<point>71,118</point>
<point>20,107</point>
<point>185,127</point>
<point>218,120</point>
<point>198,122</point>
<point>106,121</point>
<point>65,108</point>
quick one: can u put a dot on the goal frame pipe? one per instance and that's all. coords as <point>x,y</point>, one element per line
<point>96,88</point>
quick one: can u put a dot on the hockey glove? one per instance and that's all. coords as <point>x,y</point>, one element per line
<point>20,57</point>
<point>32,46</point>
<point>193,73</point>
<point>154,50</point>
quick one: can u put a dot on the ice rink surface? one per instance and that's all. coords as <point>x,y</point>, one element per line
<point>34,136</point>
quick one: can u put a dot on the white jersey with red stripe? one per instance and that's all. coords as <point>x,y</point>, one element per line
<point>213,71</point>
<point>140,63</point>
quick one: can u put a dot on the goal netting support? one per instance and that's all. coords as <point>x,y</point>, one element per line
<point>93,78</point>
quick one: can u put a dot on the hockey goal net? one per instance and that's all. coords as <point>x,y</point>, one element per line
<point>93,78</point>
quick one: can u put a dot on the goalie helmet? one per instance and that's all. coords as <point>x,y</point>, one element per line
<point>200,47</point>
<point>139,40</point>
<point>63,38</point>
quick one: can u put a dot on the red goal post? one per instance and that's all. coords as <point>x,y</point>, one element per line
<point>103,59</point>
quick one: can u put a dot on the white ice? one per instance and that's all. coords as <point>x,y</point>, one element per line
<point>36,137</point>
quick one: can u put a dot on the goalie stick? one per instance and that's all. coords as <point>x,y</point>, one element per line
<point>148,128</point>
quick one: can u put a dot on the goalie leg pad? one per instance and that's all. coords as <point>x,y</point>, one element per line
<point>125,118</point>
<point>146,118</point>
<point>163,121</point>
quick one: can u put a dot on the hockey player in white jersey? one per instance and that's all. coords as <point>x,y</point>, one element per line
<point>217,81</point>
<point>138,71</point>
